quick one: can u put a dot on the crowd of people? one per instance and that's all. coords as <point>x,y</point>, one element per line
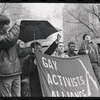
<point>18,68</point>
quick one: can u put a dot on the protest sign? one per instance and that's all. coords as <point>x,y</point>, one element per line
<point>66,77</point>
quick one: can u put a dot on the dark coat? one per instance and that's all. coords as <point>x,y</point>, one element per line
<point>31,69</point>
<point>71,54</point>
<point>84,46</point>
<point>9,62</point>
<point>10,53</point>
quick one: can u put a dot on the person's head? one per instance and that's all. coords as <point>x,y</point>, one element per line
<point>37,46</point>
<point>4,23</point>
<point>60,47</point>
<point>71,46</point>
<point>21,43</point>
<point>87,37</point>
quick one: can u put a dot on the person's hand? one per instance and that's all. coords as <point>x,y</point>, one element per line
<point>18,22</point>
<point>18,41</point>
<point>58,37</point>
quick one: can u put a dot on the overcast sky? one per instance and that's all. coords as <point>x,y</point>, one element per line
<point>48,11</point>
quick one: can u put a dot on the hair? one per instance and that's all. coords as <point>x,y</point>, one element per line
<point>84,36</point>
<point>57,46</point>
<point>60,42</point>
<point>70,43</point>
<point>35,44</point>
<point>4,20</point>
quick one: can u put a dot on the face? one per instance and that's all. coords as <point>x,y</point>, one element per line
<point>61,47</point>
<point>88,38</point>
<point>72,47</point>
<point>39,48</point>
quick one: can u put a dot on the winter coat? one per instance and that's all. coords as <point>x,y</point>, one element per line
<point>31,69</point>
<point>9,61</point>
<point>85,46</point>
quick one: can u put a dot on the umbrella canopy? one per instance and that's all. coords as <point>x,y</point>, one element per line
<point>30,30</point>
<point>97,41</point>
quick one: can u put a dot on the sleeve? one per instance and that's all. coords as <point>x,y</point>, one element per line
<point>22,52</point>
<point>9,39</point>
<point>82,49</point>
<point>33,67</point>
<point>51,49</point>
<point>29,66</point>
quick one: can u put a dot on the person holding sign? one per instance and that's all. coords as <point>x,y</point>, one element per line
<point>33,74</point>
<point>90,48</point>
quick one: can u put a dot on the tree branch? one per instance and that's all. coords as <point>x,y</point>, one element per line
<point>72,22</point>
<point>89,11</point>
<point>93,9</point>
<point>15,14</point>
<point>82,22</point>
<point>3,9</point>
<point>85,9</point>
<point>94,28</point>
<point>75,36</point>
<point>9,6</point>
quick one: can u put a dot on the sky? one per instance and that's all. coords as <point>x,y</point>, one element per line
<point>51,12</point>
<point>47,11</point>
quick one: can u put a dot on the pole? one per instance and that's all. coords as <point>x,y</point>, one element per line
<point>34,41</point>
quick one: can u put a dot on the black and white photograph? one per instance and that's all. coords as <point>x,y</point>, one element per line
<point>49,50</point>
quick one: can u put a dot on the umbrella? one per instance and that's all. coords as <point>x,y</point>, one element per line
<point>35,29</point>
<point>97,41</point>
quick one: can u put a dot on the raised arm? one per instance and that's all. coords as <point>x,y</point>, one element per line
<point>9,39</point>
<point>53,46</point>
<point>22,52</point>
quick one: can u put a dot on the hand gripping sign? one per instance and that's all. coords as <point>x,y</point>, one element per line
<point>66,77</point>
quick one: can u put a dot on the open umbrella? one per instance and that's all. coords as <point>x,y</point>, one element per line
<point>35,29</point>
<point>97,41</point>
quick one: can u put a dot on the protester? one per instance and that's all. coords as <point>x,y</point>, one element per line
<point>90,48</point>
<point>71,49</point>
<point>31,67</point>
<point>25,85</point>
<point>60,51</point>
<point>10,69</point>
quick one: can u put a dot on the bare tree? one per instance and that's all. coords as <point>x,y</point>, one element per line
<point>90,9</point>
<point>14,11</point>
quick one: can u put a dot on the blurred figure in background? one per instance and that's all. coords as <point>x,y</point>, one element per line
<point>71,49</point>
<point>90,48</point>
